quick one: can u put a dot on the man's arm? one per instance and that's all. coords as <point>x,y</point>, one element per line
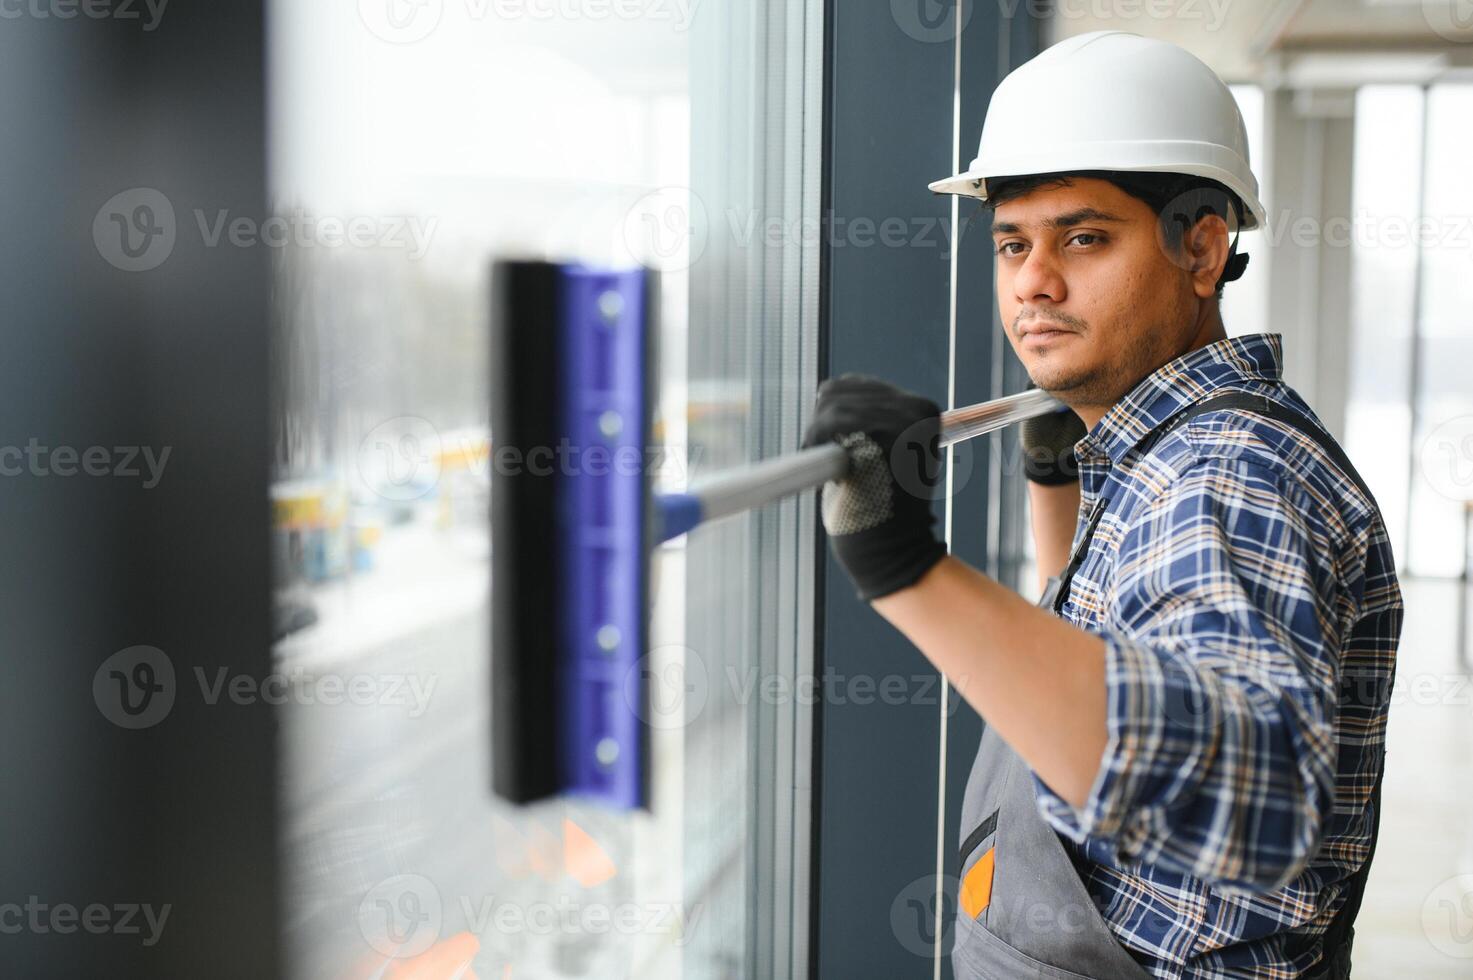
<point>1047,443</point>
<point>1054,511</point>
<point>1035,678</point>
<point>1196,732</point>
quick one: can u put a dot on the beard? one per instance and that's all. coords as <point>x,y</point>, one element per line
<point>1103,382</point>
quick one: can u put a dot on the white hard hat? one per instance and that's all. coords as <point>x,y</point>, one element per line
<point>1109,100</point>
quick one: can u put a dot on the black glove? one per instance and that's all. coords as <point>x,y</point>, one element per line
<point>1048,447</point>
<point>879,517</point>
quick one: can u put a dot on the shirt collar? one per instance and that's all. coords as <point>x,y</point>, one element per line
<point>1181,382</point>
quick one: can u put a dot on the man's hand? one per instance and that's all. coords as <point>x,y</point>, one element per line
<point>1038,680</point>
<point>1048,442</point>
<point>879,517</point>
<point>1048,447</point>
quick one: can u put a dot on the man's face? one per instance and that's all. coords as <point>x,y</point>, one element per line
<point>1090,298</point>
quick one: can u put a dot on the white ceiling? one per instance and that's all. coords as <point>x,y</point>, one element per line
<point>1297,42</point>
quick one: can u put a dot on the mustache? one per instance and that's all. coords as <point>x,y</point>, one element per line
<point>1052,316</point>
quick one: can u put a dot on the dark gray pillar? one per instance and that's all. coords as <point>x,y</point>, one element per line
<point>180,814</point>
<point>886,310</point>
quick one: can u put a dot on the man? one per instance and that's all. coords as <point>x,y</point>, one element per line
<point>1180,769</point>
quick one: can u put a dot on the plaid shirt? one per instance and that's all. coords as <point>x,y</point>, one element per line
<point>1238,578</point>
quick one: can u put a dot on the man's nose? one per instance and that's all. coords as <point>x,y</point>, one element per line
<point>1039,278</point>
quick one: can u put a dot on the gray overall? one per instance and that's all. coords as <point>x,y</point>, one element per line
<point>1034,919</point>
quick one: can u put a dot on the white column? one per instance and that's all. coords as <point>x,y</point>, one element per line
<point>1309,143</point>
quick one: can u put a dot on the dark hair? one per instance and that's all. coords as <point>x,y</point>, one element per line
<point>1179,200</point>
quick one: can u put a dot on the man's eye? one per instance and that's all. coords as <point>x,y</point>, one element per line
<point>1005,246</point>
<point>1087,238</point>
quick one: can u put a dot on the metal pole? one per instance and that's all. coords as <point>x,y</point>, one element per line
<point>772,479</point>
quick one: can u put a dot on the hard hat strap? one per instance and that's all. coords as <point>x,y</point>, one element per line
<point>1236,264</point>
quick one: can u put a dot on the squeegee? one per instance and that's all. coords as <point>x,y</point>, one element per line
<point>574,520</point>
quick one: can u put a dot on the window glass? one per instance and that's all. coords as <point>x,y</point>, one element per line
<point>1442,443</point>
<point>1388,137</point>
<point>411,144</point>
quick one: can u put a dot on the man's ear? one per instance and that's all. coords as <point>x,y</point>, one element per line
<point>1205,248</point>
